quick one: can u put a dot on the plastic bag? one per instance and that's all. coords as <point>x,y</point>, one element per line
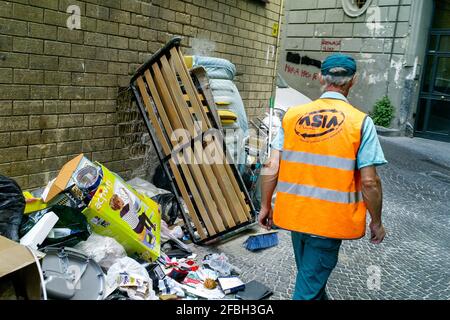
<point>220,264</point>
<point>166,199</point>
<point>177,232</point>
<point>169,207</point>
<point>130,277</point>
<point>12,206</point>
<point>69,218</point>
<point>104,250</point>
<point>167,234</point>
<point>146,188</point>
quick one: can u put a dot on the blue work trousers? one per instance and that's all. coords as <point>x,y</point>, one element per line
<point>316,258</point>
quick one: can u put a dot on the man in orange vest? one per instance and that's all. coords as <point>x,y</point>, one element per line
<point>323,165</point>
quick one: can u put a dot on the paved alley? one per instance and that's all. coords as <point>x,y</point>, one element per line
<point>414,260</point>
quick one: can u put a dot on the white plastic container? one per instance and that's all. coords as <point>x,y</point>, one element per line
<point>40,231</point>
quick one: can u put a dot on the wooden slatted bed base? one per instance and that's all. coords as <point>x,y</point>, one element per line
<point>174,101</point>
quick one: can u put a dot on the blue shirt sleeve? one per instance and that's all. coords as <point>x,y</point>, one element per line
<point>278,141</point>
<point>370,152</point>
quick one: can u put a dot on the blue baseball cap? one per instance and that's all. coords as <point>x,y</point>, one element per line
<point>339,61</point>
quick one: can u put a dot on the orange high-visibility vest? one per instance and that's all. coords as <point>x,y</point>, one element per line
<point>319,185</point>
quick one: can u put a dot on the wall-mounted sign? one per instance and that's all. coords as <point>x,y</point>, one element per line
<point>275,29</point>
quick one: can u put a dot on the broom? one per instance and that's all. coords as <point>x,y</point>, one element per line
<point>261,241</point>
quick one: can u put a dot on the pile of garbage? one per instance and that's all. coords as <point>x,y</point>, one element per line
<point>90,235</point>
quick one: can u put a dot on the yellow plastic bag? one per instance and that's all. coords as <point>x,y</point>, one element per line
<point>32,203</point>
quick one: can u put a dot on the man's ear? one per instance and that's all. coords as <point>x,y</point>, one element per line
<point>351,83</point>
<point>354,80</point>
<point>321,80</point>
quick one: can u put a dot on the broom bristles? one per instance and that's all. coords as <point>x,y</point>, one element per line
<point>261,241</point>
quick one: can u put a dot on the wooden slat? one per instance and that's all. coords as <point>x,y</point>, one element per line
<point>186,97</point>
<point>241,196</point>
<point>200,74</point>
<point>186,80</point>
<point>212,179</point>
<point>211,190</point>
<point>197,172</point>
<point>166,150</point>
<point>223,172</point>
<point>235,198</point>
<point>187,173</point>
<point>192,111</point>
<point>188,122</point>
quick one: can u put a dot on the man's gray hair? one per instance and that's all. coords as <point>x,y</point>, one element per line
<point>339,81</point>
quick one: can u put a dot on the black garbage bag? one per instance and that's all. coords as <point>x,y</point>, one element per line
<point>174,250</point>
<point>160,179</point>
<point>169,207</point>
<point>69,218</point>
<point>12,206</point>
<point>118,295</point>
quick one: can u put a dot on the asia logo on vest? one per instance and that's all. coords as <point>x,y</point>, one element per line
<point>319,125</point>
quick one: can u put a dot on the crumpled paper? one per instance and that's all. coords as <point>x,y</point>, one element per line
<point>129,276</point>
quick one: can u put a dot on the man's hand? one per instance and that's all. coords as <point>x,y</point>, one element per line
<point>265,217</point>
<point>377,232</point>
<point>373,197</point>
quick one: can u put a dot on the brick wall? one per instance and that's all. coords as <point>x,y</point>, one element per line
<point>60,89</point>
<point>379,40</point>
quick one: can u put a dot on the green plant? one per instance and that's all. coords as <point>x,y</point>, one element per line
<point>383,112</point>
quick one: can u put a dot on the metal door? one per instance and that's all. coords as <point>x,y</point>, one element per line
<point>433,117</point>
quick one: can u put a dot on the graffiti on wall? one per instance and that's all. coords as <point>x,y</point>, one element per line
<point>304,60</point>
<point>331,45</point>
<point>302,73</point>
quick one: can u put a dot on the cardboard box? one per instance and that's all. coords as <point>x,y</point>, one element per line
<point>118,211</point>
<point>65,177</point>
<point>131,218</point>
<point>18,266</point>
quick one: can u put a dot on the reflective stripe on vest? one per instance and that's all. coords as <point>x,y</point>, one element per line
<point>320,193</point>
<point>319,160</point>
<point>319,184</point>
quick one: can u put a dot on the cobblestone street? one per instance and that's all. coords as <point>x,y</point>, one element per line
<point>414,259</point>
